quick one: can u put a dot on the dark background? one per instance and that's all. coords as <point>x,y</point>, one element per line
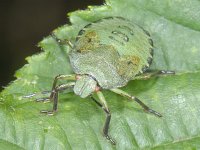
<point>23,23</point>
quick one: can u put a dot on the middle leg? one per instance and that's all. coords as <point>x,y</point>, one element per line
<point>104,106</point>
<point>145,107</point>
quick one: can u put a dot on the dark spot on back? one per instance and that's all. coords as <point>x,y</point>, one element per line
<point>149,60</point>
<point>114,39</point>
<point>129,62</point>
<point>88,25</point>
<point>89,39</point>
<point>121,35</point>
<point>144,68</point>
<point>151,51</point>
<point>151,42</point>
<point>81,32</point>
<point>120,18</point>
<point>145,31</point>
<point>127,29</point>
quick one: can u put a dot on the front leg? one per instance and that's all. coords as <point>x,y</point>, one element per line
<point>61,77</point>
<point>54,92</point>
<point>54,96</point>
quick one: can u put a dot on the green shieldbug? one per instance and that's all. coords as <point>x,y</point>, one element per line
<point>107,54</point>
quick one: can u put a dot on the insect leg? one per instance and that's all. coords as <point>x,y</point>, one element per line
<point>145,107</point>
<point>104,106</point>
<point>39,94</point>
<point>149,74</point>
<point>62,42</point>
<point>47,99</point>
<point>61,77</point>
<point>54,96</point>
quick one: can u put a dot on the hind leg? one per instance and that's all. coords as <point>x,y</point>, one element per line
<point>149,74</point>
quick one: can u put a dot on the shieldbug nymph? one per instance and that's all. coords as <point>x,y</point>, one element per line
<point>106,55</point>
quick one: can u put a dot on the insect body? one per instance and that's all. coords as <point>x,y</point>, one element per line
<point>106,55</point>
<point>112,51</point>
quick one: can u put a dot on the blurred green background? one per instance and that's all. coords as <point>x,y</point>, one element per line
<point>24,23</point>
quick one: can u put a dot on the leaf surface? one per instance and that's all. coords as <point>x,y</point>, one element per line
<point>174,26</point>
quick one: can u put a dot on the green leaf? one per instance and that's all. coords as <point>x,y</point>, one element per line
<point>174,27</point>
<point>10,146</point>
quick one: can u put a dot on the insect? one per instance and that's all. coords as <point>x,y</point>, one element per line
<point>106,55</point>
